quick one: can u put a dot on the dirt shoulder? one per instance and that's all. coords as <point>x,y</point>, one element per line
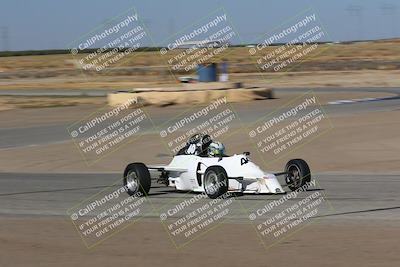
<point>312,79</point>
<point>52,241</point>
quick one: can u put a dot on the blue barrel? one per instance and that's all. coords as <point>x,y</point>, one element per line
<point>207,72</point>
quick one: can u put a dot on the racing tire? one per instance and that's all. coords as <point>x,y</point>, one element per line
<point>215,181</point>
<point>298,174</point>
<point>137,179</point>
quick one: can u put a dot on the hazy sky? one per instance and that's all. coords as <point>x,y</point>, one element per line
<point>49,24</point>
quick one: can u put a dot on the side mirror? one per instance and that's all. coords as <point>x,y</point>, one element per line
<point>246,153</point>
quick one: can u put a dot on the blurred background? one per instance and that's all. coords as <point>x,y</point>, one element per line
<point>360,47</point>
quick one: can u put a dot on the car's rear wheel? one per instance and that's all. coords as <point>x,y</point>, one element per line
<point>215,181</point>
<point>137,179</point>
<point>298,174</point>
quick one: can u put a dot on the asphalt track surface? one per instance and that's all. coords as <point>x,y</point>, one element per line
<point>348,196</point>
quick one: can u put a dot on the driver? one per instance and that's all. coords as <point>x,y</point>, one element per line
<point>203,146</point>
<point>216,149</point>
<point>197,145</point>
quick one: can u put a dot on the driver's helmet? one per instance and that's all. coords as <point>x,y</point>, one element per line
<point>216,149</point>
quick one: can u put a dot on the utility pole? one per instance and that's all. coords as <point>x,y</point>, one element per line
<point>4,37</point>
<point>390,11</point>
<point>171,27</point>
<point>357,12</point>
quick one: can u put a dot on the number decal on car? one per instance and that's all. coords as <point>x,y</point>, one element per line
<point>244,161</point>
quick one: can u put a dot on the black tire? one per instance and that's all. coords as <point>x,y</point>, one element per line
<point>215,181</point>
<point>139,176</point>
<point>298,174</point>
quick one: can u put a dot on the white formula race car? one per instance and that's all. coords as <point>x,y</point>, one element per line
<point>193,170</point>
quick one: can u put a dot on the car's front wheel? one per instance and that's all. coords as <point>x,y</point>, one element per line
<point>215,181</point>
<point>297,174</point>
<point>137,179</point>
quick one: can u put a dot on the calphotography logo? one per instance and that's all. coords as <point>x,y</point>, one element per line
<point>109,129</point>
<point>199,44</point>
<point>217,120</point>
<point>290,43</point>
<point>107,213</point>
<point>284,216</point>
<point>290,127</point>
<point>193,217</point>
<point>110,44</point>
